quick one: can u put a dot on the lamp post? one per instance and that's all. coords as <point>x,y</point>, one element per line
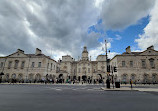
<point>107,81</point>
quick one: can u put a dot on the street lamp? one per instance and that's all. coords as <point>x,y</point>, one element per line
<point>107,62</point>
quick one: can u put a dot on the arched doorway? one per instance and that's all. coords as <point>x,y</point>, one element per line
<point>84,78</point>
<point>13,77</point>
<point>60,78</point>
<point>100,78</point>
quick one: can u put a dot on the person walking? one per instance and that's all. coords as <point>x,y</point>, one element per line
<point>131,82</point>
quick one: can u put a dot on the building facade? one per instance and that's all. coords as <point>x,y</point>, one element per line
<point>140,67</point>
<point>27,67</point>
<point>83,70</point>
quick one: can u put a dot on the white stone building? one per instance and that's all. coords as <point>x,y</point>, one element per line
<point>83,70</point>
<point>141,67</point>
<point>28,67</point>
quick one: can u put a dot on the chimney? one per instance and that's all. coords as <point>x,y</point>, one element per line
<point>151,47</point>
<point>38,51</point>
<point>19,50</point>
<point>128,49</point>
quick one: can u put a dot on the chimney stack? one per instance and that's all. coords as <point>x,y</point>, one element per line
<point>128,49</point>
<point>19,50</point>
<point>151,47</point>
<point>38,51</point>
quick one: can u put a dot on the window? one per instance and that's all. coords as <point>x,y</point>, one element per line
<point>9,64</point>
<point>54,67</point>
<point>124,77</point>
<point>1,65</point>
<point>79,70</point>
<point>154,78</point>
<point>33,64</point>
<point>131,63</point>
<point>133,77</point>
<point>152,63</point>
<point>123,64</point>
<point>48,65</point>
<point>51,65</point>
<point>88,70</point>
<point>22,64</point>
<point>16,64</point>
<point>39,64</point>
<point>13,76</point>
<point>143,63</point>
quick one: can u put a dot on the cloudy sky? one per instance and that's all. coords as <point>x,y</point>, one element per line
<point>61,27</point>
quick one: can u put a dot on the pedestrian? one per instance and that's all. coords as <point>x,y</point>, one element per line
<point>131,82</point>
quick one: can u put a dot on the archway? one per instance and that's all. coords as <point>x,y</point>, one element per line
<point>20,77</point>
<point>154,81</point>
<point>60,78</point>
<point>30,77</point>
<point>145,78</point>
<point>84,78</point>
<point>13,77</point>
<point>38,77</point>
<point>7,77</point>
<point>124,78</point>
<point>100,78</point>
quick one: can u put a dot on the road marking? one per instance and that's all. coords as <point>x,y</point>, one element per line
<point>58,89</point>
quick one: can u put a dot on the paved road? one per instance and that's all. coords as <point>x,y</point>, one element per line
<point>73,98</point>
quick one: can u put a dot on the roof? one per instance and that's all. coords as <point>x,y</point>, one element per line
<point>33,55</point>
<point>39,55</point>
<point>132,53</point>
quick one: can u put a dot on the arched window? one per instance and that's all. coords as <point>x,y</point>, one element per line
<point>38,77</point>
<point>30,77</point>
<point>154,78</point>
<point>20,76</point>
<point>13,76</point>
<point>133,76</point>
<point>145,78</point>
<point>7,77</point>
<point>124,77</point>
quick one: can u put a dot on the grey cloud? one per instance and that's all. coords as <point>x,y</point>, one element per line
<point>57,24</point>
<point>118,14</point>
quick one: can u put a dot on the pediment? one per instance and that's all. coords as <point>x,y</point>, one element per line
<point>17,54</point>
<point>149,52</point>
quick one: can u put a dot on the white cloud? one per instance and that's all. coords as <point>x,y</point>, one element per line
<point>112,54</point>
<point>118,37</point>
<point>150,35</point>
<point>99,50</point>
